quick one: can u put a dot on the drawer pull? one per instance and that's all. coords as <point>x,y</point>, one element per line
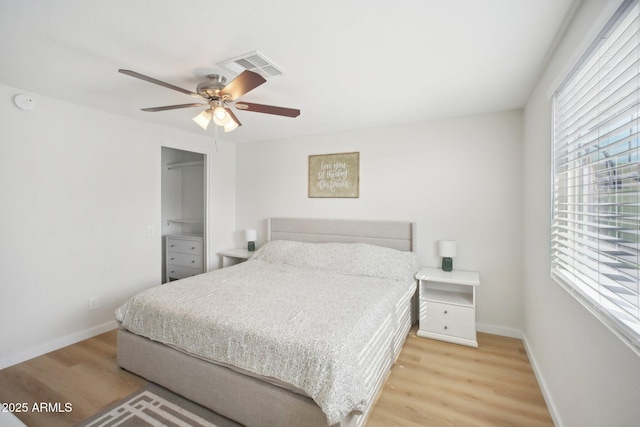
<point>445,312</point>
<point>193,248</point>
<point>172,246</point>
<point>192,262</point>
<point>446,327</point>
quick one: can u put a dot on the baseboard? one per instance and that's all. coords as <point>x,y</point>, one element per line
<point>541,382</point>
<point>499,330</point>
<point>56,344</point>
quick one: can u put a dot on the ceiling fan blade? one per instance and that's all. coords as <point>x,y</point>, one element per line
<point>267,109</point>
<point>158,82</point>
<point>245,82</point>
<point>173,107</point>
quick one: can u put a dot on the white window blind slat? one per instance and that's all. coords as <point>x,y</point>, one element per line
<point>616,68</point>
<point>595,235</point>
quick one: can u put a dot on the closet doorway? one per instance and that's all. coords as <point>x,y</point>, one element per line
<point>184,213</point>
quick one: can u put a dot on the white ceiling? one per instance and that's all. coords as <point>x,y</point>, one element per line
<point>349,63</point>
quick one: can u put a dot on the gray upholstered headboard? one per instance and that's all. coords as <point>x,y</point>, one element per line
<point>392,234</point>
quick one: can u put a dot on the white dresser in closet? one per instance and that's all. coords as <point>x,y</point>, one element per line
<point>183,256</point>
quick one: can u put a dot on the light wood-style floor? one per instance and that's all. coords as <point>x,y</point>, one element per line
<point>83,374</point>
<point>432,384</point>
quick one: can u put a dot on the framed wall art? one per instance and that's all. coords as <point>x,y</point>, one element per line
<point>334,175</point>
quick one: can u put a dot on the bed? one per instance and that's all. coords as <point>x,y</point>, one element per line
<point>302,334</point>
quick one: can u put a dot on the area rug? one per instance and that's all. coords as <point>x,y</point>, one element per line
<point>156,406</point>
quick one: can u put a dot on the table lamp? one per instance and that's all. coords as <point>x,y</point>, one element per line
<point>251,236</point>
<point>447,252</point>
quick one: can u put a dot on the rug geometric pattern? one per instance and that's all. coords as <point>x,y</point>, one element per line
<point>155,406</point>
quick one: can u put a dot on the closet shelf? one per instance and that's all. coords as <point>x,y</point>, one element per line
<point>181,165</point>
<point>186,221</point>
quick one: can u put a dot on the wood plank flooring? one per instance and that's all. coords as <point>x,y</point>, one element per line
<point>84,374</point>
<point>432,384</point>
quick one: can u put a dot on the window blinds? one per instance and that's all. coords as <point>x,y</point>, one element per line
<point>595,234</point>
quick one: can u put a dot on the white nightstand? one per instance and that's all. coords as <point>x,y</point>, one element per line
<point>238,255</point>
<point>447,302</point>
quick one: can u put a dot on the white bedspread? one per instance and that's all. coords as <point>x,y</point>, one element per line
<point>304,325</point>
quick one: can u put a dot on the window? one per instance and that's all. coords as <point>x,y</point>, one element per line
<point>595,235</point>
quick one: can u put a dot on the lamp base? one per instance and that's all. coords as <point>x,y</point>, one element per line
<point>251,246</point>
<point>447,264</point>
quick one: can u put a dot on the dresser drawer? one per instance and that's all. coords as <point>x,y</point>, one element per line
<point>179,272</point>
<point>184,260</point>
<point>452,312</point>
<point>186,246</point>
<point>445,326</point>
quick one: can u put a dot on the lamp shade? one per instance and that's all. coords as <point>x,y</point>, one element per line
<point>251,235</point>
<point>232,125</point>
<point>448,248</point>
<point>203,119</point>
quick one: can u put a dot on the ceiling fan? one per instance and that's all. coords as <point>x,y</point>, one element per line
<point>219,95</point>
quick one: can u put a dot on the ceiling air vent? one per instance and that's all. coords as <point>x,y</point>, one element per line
<point>252,61</point>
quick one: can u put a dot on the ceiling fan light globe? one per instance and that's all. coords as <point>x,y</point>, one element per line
<point>220,113</point>
<point>203,119</point>
<point>220,116</point>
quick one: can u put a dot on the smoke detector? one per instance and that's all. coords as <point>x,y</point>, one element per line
<point>24,102</point>
<point>252,61</point>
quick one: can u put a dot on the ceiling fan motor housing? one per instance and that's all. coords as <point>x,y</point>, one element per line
<point>212,88</point>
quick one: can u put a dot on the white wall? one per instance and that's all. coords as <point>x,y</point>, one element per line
<point>458,179</point>
<point>590,377</point>
<point>78,189</point>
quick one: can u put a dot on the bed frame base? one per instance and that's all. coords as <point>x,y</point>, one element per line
<point>241,398</point>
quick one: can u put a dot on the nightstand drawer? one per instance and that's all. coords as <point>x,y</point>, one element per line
<point>185,246</point>
<point>184,260</point>
<point>179,272</point>
<point>452,312</point>
<point>448,327</point>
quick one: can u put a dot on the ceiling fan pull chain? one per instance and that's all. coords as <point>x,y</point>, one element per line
<point>215,137</point>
